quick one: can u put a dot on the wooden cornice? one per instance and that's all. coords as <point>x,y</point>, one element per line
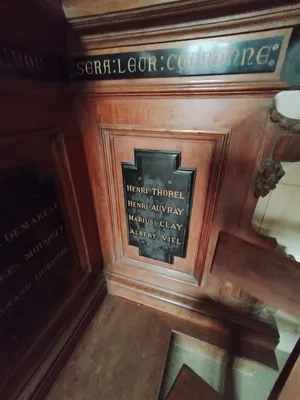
<point>177,12</point>
<point>184,20</point>
<point>178,89</point>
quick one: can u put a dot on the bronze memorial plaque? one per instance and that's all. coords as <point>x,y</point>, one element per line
<point>158,196</point>
<point>35,253</point>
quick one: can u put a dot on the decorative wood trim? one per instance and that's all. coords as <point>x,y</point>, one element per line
<point>188,308</point>
<point>72,210</point>
<point>32,352</point>
<point>221,142</point>
<point>286,123</point>
<point>175,90</point>
<point>268,176</point>
<point>117,30</point>
<point>266,274</point>
<point>187,12</point>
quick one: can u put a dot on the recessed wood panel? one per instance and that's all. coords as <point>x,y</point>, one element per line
<point>45,260</point>
<point>205,152</point>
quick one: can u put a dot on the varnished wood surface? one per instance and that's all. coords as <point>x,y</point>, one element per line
<point>114,126</point>
<point>189,386</point>
<point>270,276</point>
<point>39,128</point>
<point>121,356</point>
<point>123,351</point>
<point>287,148</point>
<point>79,8</point>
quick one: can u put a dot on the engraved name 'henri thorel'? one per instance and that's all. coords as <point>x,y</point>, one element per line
<point>158,202</point>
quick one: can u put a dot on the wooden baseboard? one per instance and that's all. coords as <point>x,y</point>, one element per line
<point>47,371</point>
<point>254,333</point>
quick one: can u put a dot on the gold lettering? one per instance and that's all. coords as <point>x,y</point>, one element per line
<point>249,58</point>
<point>169,62</point>
<point>262,58</point>
<point>89,67</point>
<point>21,293</point>
<point>152,63</point>
<point>29,62</point>
<point>47,267</point>
<point>237,54</point>
<point>142,59</point>
<point>106,66</point>
<point>97,67</point>
<point>8,272</point>
<point>137,232</point>
<point>136,189</point>
<point>17,59</point>
<point>167,193</point>
<point>119,67</point>
<point>170,239</point>
<point>43,243</point>
<point>40,64</point>
<point>219,58</point>
<point>168,225</point>
<point>181,62</point>
<point>132,64</point>
<point>135,204</point>
<point>80,66</point>
<point>143,220</point>
<point>18,230</point>
<point>167,209</point>
<point>206,56</point>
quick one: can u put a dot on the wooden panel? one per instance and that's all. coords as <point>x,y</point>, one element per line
<point>122,353</point>
<point>108,361</point>
<point>39,131</point>
<point>204,151</point>
<point>188,385</point>
<point>270,276</point>
<point>42,153</point>
<point>237,122</point>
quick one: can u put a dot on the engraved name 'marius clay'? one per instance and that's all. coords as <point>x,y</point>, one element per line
<point>205,57</point>
<point>158,201</point>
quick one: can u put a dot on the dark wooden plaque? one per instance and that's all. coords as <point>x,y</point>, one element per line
<point>35,253</point>
<point>158,197</point>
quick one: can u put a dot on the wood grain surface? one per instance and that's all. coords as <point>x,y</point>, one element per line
<point>270,276</point>
<point>121,356</point>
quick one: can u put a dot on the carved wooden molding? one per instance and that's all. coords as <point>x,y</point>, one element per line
<point>182,20</point>
<point>268,176</point>
<point>191,269</point>
<point>288,124</point>
<point>161,89</point>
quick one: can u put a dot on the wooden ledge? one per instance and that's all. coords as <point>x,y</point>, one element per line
<point>166,89</point>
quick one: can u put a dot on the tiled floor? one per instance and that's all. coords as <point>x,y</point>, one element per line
<point>253,383</point>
